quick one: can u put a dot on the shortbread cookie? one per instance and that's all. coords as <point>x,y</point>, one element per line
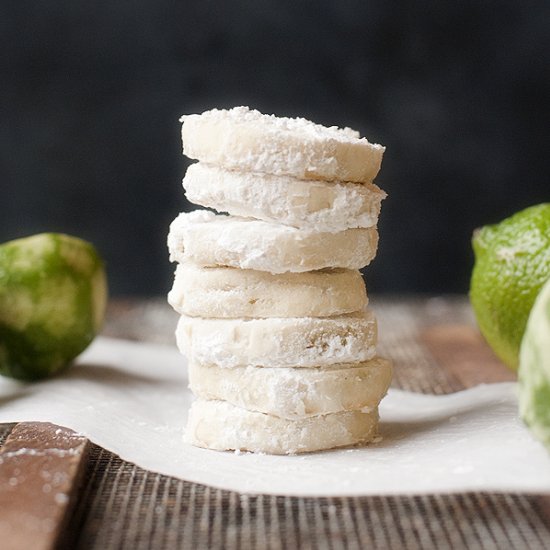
<point>230,292</point>
<point>207,239</point>
<point>295,393</point>
<point>319,205</point>
<point>278,342</point>
<point>249,141</point>
<point>221,426</point>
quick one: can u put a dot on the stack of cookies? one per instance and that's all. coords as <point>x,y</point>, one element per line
<point>274,321</point>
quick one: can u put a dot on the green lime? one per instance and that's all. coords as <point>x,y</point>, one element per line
<point>534,368</point>
<point>512,262</point>
<point>53,293</point>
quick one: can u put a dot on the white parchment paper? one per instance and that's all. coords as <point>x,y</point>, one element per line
<point>132,399</point>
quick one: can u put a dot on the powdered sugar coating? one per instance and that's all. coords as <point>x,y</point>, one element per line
<point>245,116</point>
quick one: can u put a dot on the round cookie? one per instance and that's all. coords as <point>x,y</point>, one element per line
<point>278,342</point>
<point>230,292</point>
<point>221,426</point>
<point>206,239</point>
<point>295,393</point>
<point>319,205</point>
<point>248,141</point>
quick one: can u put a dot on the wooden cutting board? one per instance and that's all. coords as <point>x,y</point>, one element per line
<point>41,466</point>
<point>464,354</point>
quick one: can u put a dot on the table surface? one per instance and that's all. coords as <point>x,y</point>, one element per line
<point>435,348</point>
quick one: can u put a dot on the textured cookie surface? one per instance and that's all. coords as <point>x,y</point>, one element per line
<point>319,205</point>
<point>208,240</point>
<point>248,141</point>
<point>230,292</point>
<point>221,426</point>
<point>278,342</point>
<point>295,393</point>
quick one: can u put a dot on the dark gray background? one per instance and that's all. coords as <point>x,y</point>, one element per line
<point>90,94</point>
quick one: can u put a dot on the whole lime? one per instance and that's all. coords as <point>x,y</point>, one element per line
<point>53,294</point>
<point>512,262</point>
<point>534,368</point>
